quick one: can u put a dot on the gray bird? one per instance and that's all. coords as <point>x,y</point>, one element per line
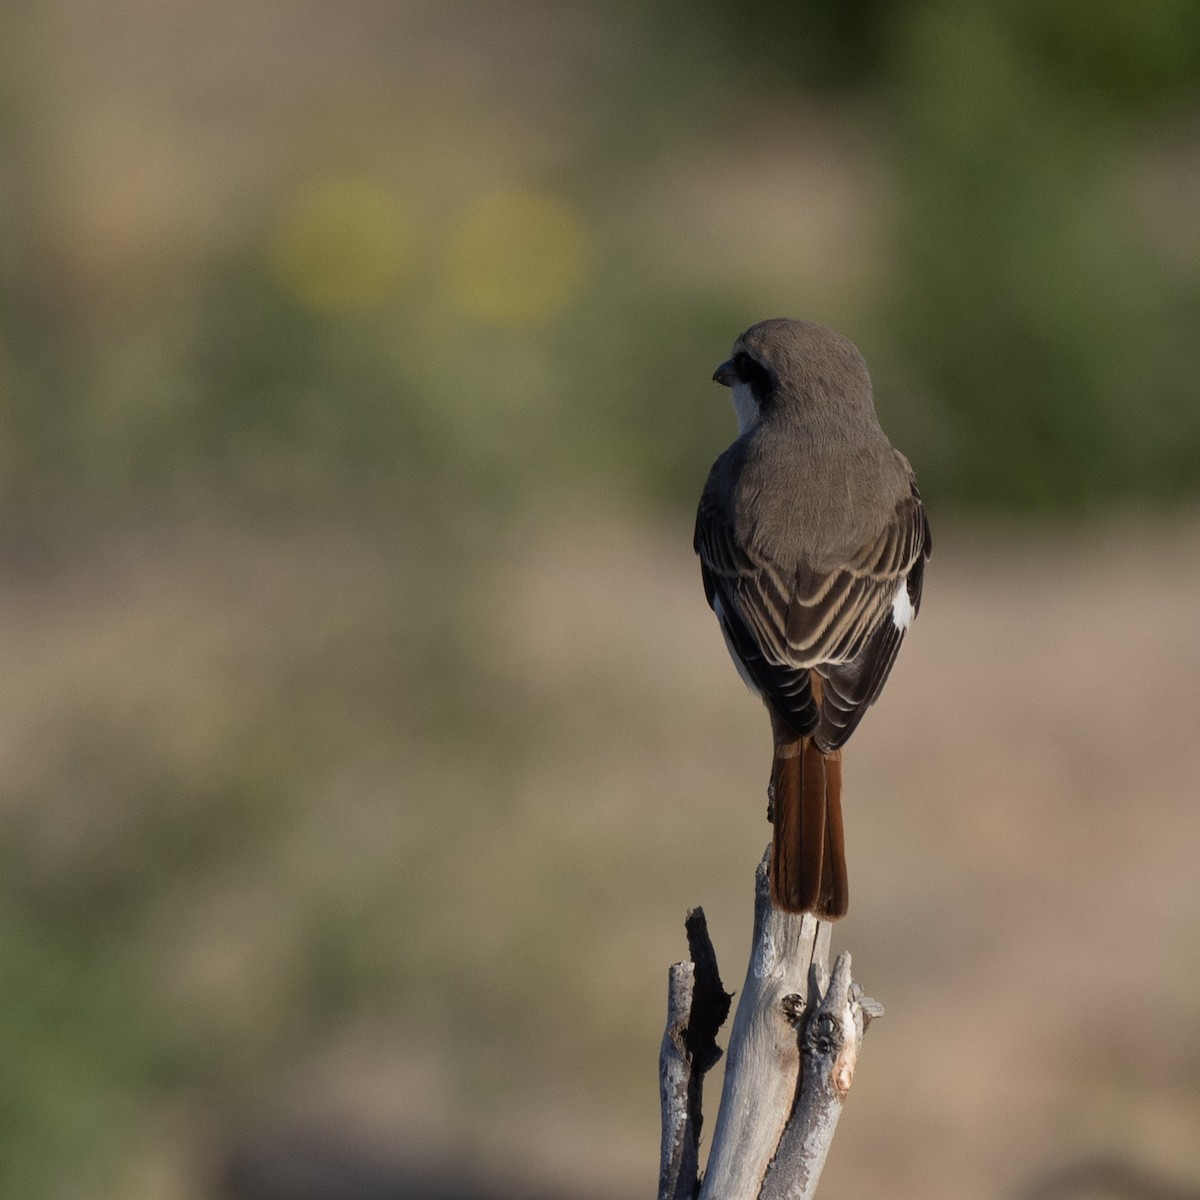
<point>812,541</point>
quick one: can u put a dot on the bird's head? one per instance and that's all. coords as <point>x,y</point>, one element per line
<point>783,368</point>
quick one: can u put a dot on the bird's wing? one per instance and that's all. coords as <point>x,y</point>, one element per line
<point>845,621</point>
<point>744,590</point>
<point>895,569</point>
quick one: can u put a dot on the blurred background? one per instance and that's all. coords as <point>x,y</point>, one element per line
<point>365,733</point>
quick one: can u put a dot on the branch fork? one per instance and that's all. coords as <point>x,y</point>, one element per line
<point>793,1050</point>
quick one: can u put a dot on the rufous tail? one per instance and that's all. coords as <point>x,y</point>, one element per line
<point>808,855</point>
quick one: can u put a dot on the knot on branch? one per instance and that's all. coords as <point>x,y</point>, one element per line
<point>824,1033</point>
<point>793,1007</point>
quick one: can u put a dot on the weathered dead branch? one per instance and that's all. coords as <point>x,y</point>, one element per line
<point>792,1054</point>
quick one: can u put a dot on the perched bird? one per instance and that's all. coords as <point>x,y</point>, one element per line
<point>812,541</point>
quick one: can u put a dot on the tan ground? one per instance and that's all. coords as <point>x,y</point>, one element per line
<point>1022,831</point>
<point>1023,836</point>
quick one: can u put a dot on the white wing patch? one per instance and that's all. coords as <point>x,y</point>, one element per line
<point>902,608</point>
<point>719,609</point>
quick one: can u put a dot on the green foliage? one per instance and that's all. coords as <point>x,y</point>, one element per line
<point>810,43</point>
<point>1129,56</point>
<point>1034,346</point>
<point>1039,330</point>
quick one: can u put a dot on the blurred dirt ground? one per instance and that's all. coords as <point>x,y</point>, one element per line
<point>224,776</point>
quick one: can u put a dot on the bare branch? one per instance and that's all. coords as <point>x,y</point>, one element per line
<point>793,1051</point>
<point>832,1036</point>
<point>764,1050</point>
<point>697,1005</point>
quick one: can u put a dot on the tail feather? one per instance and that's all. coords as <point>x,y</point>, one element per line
<point>808,858</point>
<point>835,882</point>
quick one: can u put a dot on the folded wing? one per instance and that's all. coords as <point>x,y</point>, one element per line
<point>845,622</point>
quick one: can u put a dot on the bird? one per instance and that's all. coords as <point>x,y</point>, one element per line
<point>812,539</point>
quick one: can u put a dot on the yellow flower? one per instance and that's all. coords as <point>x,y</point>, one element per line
<point>340,246</point>
<point>517,258</point>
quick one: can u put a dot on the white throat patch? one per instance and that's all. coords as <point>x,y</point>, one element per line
<point>745,406</point>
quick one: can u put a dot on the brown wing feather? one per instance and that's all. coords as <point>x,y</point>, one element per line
<point>783,623</point>
<point>853,682</point>
<point>743,592</point>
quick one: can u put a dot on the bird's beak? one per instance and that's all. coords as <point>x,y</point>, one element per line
<point>725,375</point>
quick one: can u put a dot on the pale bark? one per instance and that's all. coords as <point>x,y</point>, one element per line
<point>792,1054</point>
